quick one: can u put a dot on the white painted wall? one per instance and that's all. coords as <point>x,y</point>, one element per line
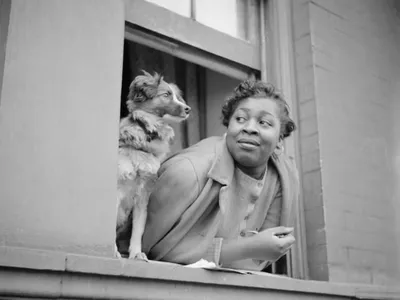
<point>59,118</point>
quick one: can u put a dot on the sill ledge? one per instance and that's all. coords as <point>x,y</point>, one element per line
<point>38,273</point>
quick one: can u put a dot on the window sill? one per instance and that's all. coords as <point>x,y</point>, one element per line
<point>37,273</point>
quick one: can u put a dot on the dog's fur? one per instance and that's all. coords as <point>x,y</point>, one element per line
<point>144,142</point>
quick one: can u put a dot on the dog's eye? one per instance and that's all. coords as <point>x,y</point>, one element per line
<point>166,94</point>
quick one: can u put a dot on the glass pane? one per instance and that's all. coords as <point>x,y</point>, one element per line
<point>238,18</point>
<point>181,7</point>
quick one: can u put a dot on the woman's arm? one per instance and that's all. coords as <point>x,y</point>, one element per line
<point>175,191</point>
<point>269,245</point>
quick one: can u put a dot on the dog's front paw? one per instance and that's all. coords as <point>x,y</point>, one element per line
<point>116,252</point>
<point>138,256</point>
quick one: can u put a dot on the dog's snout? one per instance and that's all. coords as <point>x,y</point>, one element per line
<point>188,109</point>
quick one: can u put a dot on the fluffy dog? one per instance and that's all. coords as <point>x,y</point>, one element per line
<point>144,142</point>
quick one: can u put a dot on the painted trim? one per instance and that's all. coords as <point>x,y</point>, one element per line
<point>186,52</point>
<point>23,273</point>
<point>281,67</point>
<point>185,30</point>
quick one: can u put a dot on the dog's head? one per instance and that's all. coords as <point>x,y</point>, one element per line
<point>152,94</point>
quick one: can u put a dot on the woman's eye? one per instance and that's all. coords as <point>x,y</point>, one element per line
<point>265,123</point>
<point>240,119</point>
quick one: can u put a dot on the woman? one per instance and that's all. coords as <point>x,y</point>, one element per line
<point>229,199</point>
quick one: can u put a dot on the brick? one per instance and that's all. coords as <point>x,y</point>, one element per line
<point>304,68</point>
<point>337,254</point>
<point>357,240</point>
<point>312,189</point>
<point>362,223</point>
<point>308,126</point>
<point>306,88</point>
<point>367,259</point>
<point>335,219</point>
<point>313,200</point>
<point>300,19</point>
<point>309,143</point>
<point>319,254</point>
<point>318,271</point>
<point>302,47</point>
<point>383,279</point>
<point>362,275</point>
<point>337,273</point>
<point>315,218</point>
<point>316,237</point>
<point>356,204</point>
<point>310,161</point>
<point>307,109</point>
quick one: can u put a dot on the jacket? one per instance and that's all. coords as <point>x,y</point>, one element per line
<point>194,186</point>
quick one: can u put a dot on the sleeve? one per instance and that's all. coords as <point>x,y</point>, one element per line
<point>175,190</point>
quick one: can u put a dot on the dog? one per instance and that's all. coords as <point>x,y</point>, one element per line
<point>144,142</point>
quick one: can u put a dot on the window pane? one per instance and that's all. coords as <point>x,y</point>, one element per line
<point>181,7</point>
<point>232,17</point>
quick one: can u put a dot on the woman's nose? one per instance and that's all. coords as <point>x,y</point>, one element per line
<point>250,128</point>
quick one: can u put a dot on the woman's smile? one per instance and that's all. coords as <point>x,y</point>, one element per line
<point>248,143</point>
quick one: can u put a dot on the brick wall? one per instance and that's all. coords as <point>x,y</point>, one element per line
<point>347,59</point>
<point>309,146</point>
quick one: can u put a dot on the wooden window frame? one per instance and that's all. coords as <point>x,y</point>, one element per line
<point>187,31</point>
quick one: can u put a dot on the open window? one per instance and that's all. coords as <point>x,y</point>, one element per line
<point>206,50</point>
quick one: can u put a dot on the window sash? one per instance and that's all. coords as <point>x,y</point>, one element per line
<point>181,50</point>
<point>185,30</point>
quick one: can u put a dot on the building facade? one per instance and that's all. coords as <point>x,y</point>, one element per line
<point>64,71</point>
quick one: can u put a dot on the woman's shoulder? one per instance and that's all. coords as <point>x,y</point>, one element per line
<point>198,157</point>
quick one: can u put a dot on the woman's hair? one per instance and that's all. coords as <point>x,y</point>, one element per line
<point>258,89</point>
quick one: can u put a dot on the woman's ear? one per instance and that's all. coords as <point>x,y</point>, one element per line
<point>279,147</point>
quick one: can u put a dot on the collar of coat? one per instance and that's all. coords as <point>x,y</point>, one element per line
<point>223,166</point>
<point>222,171</point>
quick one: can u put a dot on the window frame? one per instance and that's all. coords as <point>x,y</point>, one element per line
<point>157,19</point>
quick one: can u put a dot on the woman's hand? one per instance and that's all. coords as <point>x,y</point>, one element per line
<point>270,244</point>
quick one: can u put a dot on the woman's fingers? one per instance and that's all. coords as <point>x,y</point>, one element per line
<point>287,241</point>
<point>282,230</point>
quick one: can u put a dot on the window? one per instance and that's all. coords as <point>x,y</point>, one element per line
<point>195,50</point>
<point>239,18</point>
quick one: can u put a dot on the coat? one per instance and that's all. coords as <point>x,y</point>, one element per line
<point>193,190</point>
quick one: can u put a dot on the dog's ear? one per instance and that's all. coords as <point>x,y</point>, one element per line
<point>146,73</point>
<point>158,78</point>
<point>143,87</point>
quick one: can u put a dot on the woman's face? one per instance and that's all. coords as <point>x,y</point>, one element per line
<point>253,132</point>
